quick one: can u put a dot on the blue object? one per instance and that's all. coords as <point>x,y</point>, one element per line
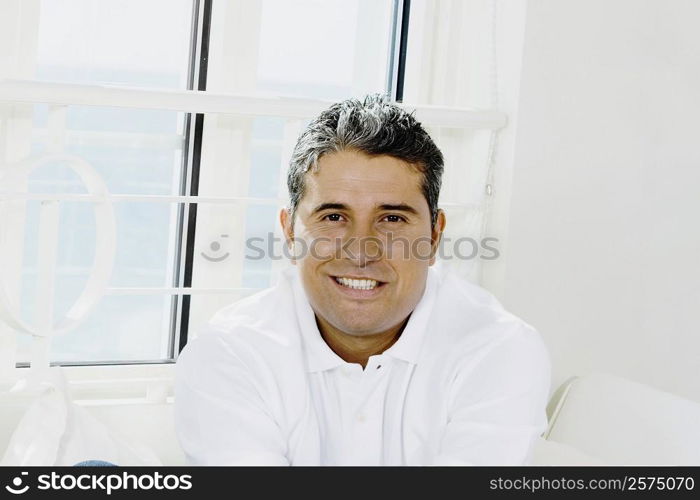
<point>94,463</point>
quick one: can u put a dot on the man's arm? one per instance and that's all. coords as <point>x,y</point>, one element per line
<point>220,416</point>
<point>497,406</point>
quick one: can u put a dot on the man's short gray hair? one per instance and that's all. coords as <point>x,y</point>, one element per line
<point>374,126</point>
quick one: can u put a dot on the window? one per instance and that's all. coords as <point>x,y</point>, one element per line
<point>331,50</point>
<point>107,83</point>
<point>133,151</point>
<point>186,112</point>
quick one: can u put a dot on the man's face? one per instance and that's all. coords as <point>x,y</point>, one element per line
<point>368,241</point>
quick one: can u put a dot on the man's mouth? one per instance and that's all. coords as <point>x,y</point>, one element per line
<point>357,284</point>
<point>359,287</point>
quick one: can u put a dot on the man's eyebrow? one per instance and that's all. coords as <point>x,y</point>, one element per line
<point>329,206</point>
<point>399,207</point>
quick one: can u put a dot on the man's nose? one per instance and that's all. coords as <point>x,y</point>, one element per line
<point>362,246</point>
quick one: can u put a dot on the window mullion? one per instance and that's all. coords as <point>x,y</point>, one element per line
<point>195,127</point>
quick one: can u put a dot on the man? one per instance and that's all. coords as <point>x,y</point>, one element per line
<point>362,354</point>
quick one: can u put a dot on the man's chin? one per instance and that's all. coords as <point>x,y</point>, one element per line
<point>360,330</point>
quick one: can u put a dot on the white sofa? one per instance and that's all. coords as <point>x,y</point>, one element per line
<point>598,420</point>
<point>604,419</point>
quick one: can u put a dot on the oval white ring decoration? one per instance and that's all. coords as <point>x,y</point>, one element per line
<point>105,244</point>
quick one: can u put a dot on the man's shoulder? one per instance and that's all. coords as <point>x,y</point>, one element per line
<point>470,318</point>
<point>260,328</point>
<point>268,313</point>
<point>472,305</point>
<point>253,311</point>
<point>472,333</point>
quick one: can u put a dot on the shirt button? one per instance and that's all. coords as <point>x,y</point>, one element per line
<point>361,418</point>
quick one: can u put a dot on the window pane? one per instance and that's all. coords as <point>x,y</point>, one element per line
<point>125,42</point>
<point>320,48</point>
<point>330,49</point>
<point>134,152</point>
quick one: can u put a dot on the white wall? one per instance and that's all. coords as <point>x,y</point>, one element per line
<point>603,252</point>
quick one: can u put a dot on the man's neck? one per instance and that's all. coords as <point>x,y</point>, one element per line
<point>358,349</point>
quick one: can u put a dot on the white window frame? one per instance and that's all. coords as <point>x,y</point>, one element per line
<point>16,91</point>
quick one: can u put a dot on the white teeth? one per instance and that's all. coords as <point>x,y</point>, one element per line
<point>357,284</point>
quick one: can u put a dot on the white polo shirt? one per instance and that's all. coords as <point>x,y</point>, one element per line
<point>466,383</point>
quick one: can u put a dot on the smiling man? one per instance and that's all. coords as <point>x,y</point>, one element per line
<point>352,207</point>
<point>363,354</point>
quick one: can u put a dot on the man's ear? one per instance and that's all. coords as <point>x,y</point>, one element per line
<point>436,234</point>
<point>287,224</point>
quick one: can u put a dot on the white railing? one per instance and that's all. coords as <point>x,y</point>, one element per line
<point>192,101</point>
<point>59,95</point>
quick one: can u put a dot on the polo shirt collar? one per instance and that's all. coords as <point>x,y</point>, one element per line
<point>320,357</point>
<point>410,343</point>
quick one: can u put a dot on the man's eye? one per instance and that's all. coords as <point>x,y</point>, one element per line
<point>333,217</point>
<point>393,218</point>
